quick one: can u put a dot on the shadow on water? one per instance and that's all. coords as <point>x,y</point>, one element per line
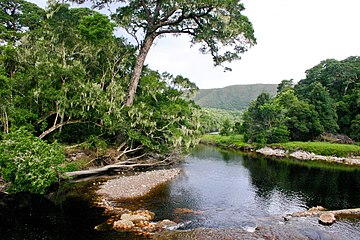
<point>67,216</point>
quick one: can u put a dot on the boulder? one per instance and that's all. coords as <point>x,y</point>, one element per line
<point>327,218</point>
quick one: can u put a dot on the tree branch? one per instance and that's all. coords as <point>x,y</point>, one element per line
<point>53,128</point>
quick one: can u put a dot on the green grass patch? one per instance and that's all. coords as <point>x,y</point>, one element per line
<point>322,148</point>
<point>236,139</point>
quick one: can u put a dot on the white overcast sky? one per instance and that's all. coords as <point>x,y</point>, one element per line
<point>292,36</point>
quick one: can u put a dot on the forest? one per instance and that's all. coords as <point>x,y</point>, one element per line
<point>67,80</point>
<point>324,106</point>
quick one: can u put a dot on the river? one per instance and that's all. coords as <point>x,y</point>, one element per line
<point>217,189</point>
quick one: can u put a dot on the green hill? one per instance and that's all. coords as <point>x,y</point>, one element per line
<point>235,97</point>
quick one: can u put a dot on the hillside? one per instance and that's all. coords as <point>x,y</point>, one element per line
<point>235,97</point>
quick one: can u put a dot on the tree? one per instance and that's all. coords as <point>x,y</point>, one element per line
<point>17,17</point>
<point>285,84</point>
<point>341,80</point>
<point>219,26</point>
<point>264,121</point>
<point>226,128</point>
<point>319,97</point>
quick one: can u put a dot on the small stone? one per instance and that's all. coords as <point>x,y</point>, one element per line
<point>123,224</point>
<point>327,218</point>
<point>167,224</point>
<point>287,218</point>
<point>133,218</point>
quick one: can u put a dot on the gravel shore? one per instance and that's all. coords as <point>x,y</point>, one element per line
<point>136,186</point>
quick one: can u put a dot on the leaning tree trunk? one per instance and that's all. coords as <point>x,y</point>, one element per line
<point>140,60</point>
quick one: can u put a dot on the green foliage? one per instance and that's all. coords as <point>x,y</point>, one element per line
<point>236,97</point>
<point>29,163</point>
<point>226,128</point>
<point>264,121</point>
<point>212,120</point>
<point>213,24</point>
<point>96,28</point>
<point>284,85</point>
<point>234,139</point>
<point>340,81</point>
<point>17,17</point>
<point>319,97</point>
<point>162,119</point>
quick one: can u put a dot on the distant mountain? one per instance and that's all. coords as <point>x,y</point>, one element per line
<point>235,97</point>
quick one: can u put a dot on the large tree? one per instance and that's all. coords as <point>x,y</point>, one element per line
<point>219,26</point>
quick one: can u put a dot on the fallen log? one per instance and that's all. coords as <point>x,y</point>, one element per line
<point>114,167</point>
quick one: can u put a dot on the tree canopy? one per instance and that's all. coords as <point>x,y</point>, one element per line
<point>66,81</point>
<point>326,101</point>
<point>218,26</point>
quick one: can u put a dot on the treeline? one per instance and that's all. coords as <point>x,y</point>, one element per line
<point>326,101</point>
<point>63,78</point>
<point>218,120</point>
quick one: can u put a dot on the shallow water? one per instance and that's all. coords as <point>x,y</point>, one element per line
<point>216,189</point>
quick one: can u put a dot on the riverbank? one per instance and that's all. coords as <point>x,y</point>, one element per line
<point>129,187</point>
<point>348,154</point>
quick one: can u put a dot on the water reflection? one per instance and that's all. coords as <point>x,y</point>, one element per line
<point>331,188</point>
<point>238,190</point>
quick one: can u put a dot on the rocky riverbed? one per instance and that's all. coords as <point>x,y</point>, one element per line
<point>132,187</point>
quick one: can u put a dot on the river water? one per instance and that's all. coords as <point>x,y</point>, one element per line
<point>217,189</point>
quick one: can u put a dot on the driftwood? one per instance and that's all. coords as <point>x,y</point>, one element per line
<point>114,167</point>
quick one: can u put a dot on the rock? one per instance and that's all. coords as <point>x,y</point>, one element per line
<point>317,209</point>
<point>146,213</point>
<point>327,218</point>
<point>123,224</point>
<point>272,152</point>
<point>167,224</point>
<point>133,218</point>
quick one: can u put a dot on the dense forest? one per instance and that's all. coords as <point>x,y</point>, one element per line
<point>323,105</point>
<point>66,79</point>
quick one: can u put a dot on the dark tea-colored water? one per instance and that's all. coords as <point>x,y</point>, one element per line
<point>216,189</point>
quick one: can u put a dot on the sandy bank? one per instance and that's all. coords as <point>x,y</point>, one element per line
<point>136,186</point>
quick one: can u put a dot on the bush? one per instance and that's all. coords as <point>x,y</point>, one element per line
<point>28,163</point>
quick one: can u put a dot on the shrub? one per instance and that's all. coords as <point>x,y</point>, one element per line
<point>28,163</point>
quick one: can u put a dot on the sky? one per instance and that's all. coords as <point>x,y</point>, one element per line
<point>292,36</point>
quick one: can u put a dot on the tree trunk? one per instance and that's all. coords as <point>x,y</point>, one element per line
<point>140,60</point>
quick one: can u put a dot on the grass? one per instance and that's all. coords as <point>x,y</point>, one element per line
<point>237,140</point>
<point>319,148</point>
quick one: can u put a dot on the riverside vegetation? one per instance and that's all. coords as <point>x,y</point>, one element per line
<point>69,85</point>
